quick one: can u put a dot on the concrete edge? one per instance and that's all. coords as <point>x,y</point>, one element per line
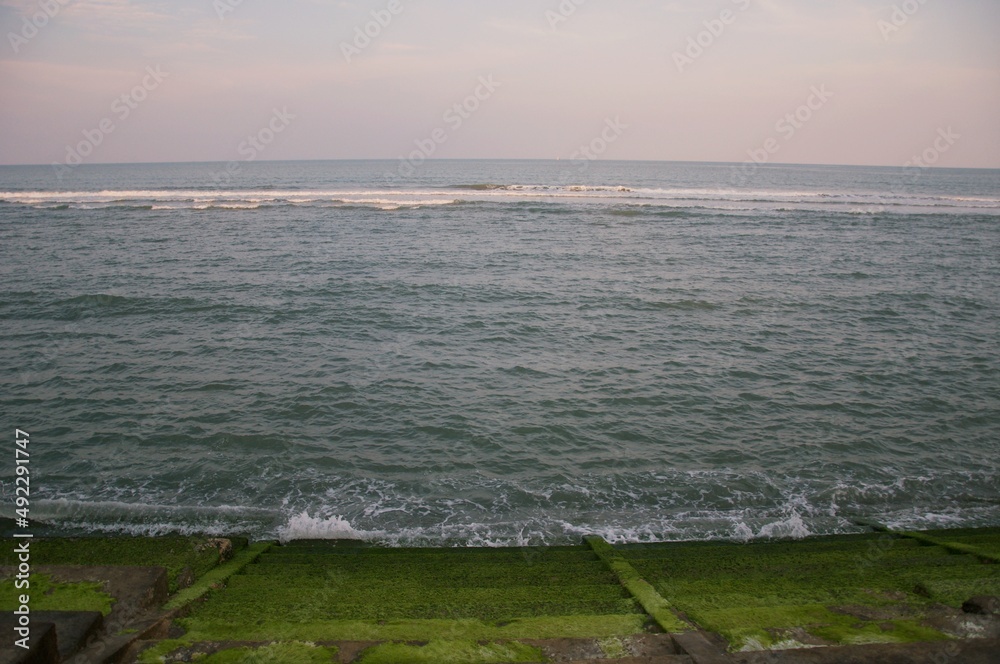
<point>217,575</point>
<point>954,547</point>
<point>641,590</point>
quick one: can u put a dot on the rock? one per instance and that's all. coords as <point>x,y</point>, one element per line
<point>186,578</point>
<point>224,546</point>
<point>983,605</point>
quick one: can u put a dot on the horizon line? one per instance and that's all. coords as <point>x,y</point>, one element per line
<point>469,159</point>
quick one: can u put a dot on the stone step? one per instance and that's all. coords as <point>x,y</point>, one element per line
<point>43,645</point>
<point>972,651</point>
<point>74,629</point>
<point>635,649</point>
<point>71,631</point>
<point>701,647</point>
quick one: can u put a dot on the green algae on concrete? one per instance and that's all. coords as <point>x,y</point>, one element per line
<point>547,627</point>
<point>612,647</point>
<point>50,595</point>
<point>276,653</point>
<point>159,653</point>
<point>986,548</point>
<point>900,631</point>
<point>654,604</point>
<point>217,576</point>
<point>182,556</point>
<point>452,652</point>
<point>837,590</point>
<point>320,591</point>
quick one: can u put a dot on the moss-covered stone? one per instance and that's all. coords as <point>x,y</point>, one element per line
<point>840,590</point>
<point>181,556</point>
<point>872,588</point>
<point>547,627</point>
<point>985,547</point>
<point>50,595</point>
<point>276,653</point>
<point>218,575</point>
<point>372,593</point>
<point>652,602</point>
<point>612,647</point>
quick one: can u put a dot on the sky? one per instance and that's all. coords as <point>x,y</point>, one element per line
<point>867,82</point>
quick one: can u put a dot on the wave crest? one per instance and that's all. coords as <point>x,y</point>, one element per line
<point>305,527</point>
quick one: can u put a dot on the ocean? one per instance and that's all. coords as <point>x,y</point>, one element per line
<point>502,352</point>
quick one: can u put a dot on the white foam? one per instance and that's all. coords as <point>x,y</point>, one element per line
<point>742,532</point>
<point>303,526</point>
<point>395,204</point>
<point>69,506</point>
<point>391,199</point>
<point>228,199</point>
<point>792,527</point>
<point>699,505</point>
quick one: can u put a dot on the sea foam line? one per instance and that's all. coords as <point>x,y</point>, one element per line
<point>390,198</point>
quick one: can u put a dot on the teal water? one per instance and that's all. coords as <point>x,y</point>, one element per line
<point>502,352</point>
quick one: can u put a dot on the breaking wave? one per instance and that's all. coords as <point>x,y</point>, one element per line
<point>159,200</point>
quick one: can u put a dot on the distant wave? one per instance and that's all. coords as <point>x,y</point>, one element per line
<point>160,200</point>
<point>731,199</point>
<point>480,187</point>
<point>539,187</point>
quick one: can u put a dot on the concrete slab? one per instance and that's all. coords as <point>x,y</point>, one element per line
<point>701,648</point>
<point>637,646</point>
<point>986,606</point>
<point>138,593</point>
<point>349,651</point>
<point>74,629</point>
<point>973,651</point>
<point>44,646</point>
<point>137,590</point>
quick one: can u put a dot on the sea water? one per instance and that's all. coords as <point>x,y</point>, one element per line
<point>502,352</point>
